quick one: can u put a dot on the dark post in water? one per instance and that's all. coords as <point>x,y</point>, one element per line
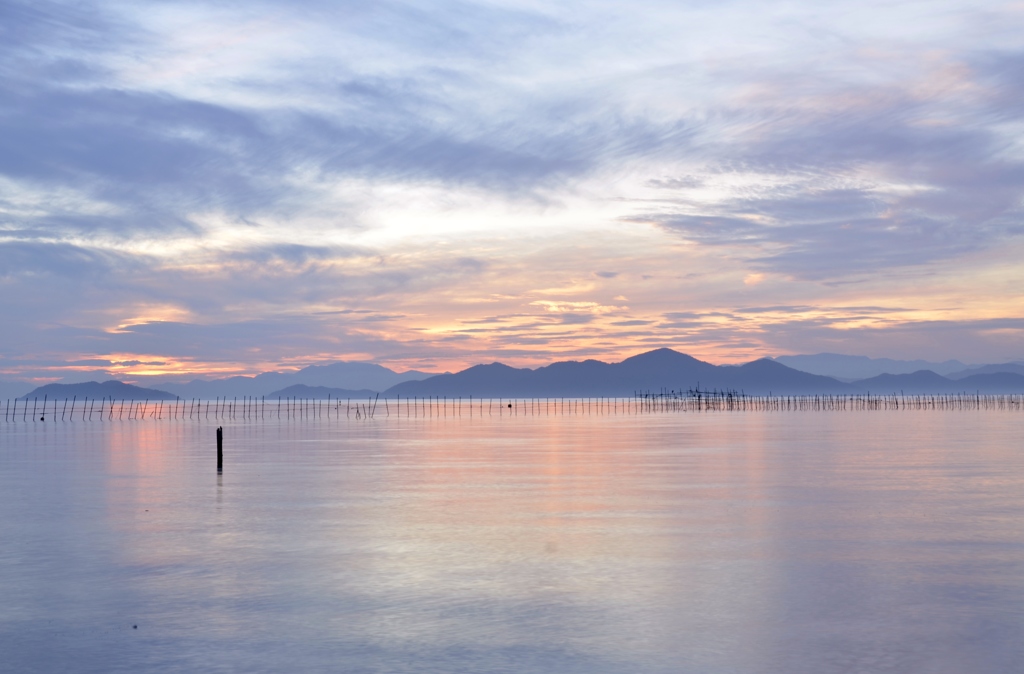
<point>220,449</point>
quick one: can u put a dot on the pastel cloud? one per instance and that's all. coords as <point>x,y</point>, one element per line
<point>235,187</point>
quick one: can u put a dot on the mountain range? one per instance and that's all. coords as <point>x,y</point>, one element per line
<point>662,369</point>
<point>319,392</point>
<point>343,375</point>
<point>854,368</point>
<point>114,390</point>
<point>928,382</point>
<point>665,369</point>
<point>658,370</point>
<point>1015,368</point>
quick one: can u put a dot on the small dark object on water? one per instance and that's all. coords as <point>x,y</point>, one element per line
<point>42,418</point>
<point>510,405</point>
<point>220,449</point>
<point>135,627</point>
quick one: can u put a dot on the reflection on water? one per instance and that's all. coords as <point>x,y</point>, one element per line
<point>789,542</point>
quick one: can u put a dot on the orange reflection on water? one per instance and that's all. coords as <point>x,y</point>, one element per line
<point>581,468</point>
<point>139,447</point>
<point>150,480</point>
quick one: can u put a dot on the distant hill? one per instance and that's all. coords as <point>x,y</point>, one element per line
<point>345,375</point>
<point>851,368</point>
<point>94,390</point>
<point>320,393</point>
<point>926,382</point>
<point>1016,368</point>
<point>767,376</point>
<point>652,371</point>
<point>922,381</point>
<point>995,382</point>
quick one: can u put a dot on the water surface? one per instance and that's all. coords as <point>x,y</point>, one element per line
<point>706,543</point>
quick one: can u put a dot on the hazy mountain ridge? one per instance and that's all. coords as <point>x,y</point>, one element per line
<point>855,368</point>
<point>94,390</point>
<point>320,392</point>
<point>661,369</point>
<point>1015,368</point>
<point>926,382</point>
<point>353,376</point>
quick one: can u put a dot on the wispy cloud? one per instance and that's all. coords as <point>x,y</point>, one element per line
<point>237,186</point>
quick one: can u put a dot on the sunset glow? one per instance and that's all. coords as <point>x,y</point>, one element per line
<point>201,190</point>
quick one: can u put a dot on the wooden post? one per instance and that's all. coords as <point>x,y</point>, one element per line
<point>220,449</point>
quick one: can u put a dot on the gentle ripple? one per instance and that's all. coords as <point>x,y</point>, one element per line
<point>707,543</point>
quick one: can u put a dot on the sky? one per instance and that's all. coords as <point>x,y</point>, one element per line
<point>231,187</point>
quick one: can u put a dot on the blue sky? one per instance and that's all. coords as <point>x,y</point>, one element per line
<point>234,187</point>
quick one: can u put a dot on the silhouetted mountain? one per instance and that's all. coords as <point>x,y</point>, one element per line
<point>1015,368</point>
<point>767,376</point>
<point>995,382</point>
<point>229,387</point>
<point>652,371</point>
<point>922,381</point>
<point>94,390</point>
<point>926,382</point>
<point>853,368</point>
<point>320,392</point>
<point>349,376</point>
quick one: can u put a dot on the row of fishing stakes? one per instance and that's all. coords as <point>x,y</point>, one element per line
<point>257,409</point>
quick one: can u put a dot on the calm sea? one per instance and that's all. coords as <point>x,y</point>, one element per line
<point>789,543</point>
